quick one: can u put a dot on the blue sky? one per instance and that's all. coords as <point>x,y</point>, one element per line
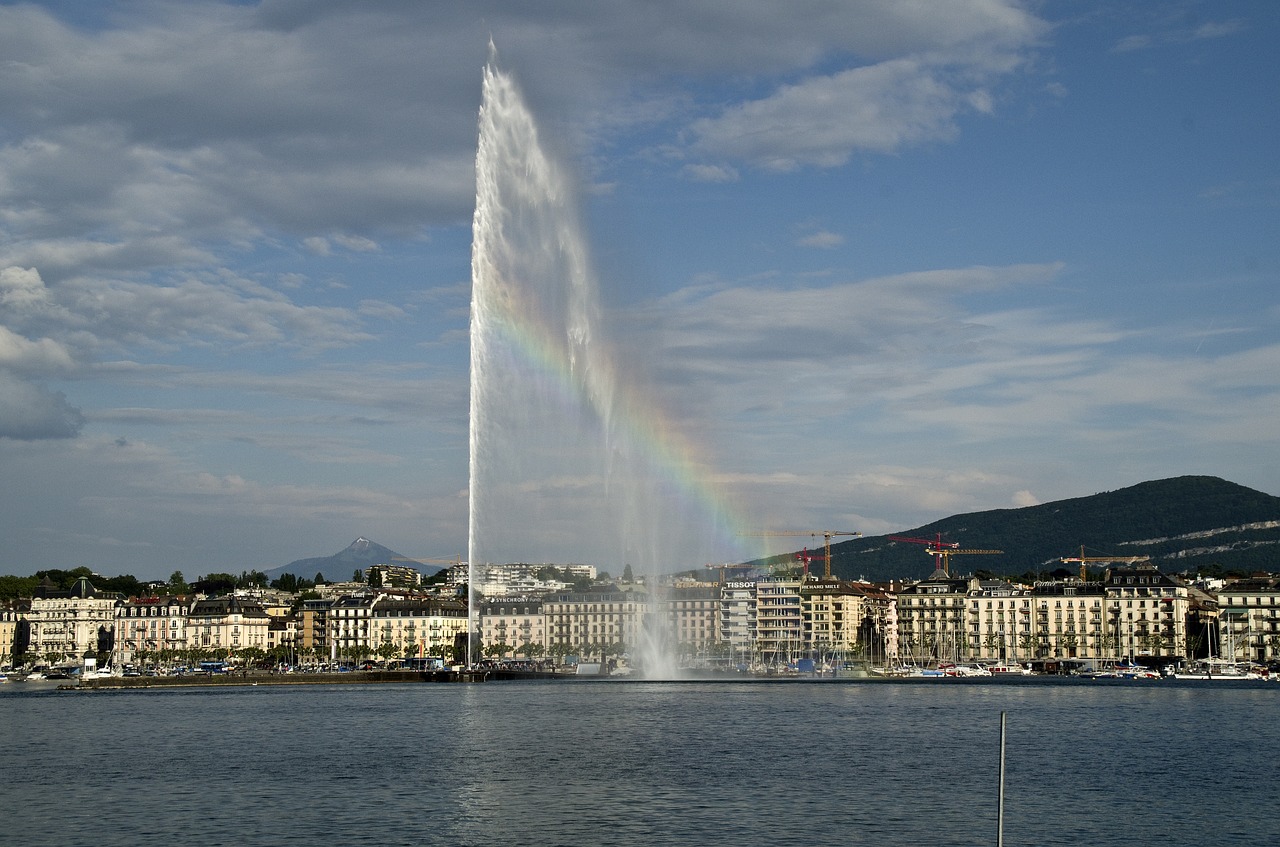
<point>879,263</point>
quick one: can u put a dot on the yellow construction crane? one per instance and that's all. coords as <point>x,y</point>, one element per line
<point>1086,560</point>
<point>944,555</point>
<point>825,533</point>
<point>940,550</point>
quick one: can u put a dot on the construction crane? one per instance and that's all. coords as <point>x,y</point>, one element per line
<point>1084,561</point>
<point>942,551</point>
<point>961,551</point>
<point>935,545</point>
<point>807,557</point>
<point>825,533</point>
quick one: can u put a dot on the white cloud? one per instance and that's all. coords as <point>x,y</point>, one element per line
<point>22,290</point>
<point>44,356</point>
<point>317,245</point>
<point>823,239</point>
<point>1024,498</point>
<point>357,243</point>
<point>710,173</point>
<point>823,120</point>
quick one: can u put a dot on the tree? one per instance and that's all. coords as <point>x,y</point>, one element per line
<point>13,587</point>
<point>252,579</point>
<point>292,584</point>
<point>498,650</point>
<point>215,584</point>
<point>358,576</point>
<point>387,649</point>
<point>627,575</point>
<point>177,584</point>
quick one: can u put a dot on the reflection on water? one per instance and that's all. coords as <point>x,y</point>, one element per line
<point>578,763</point>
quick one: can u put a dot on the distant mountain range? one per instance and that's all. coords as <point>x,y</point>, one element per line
<point>341,566</point>
<point>1182,523</point>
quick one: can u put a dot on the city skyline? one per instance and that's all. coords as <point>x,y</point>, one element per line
<point>873,264</point>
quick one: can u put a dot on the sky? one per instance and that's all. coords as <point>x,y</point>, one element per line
<point>870,263</point>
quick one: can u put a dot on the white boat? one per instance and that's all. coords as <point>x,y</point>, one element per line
<point>895,671</point>
<point>1009,669</point>
<point>1221,670</point>
<point>965,670</point>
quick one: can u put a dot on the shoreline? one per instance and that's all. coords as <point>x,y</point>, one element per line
<point>117,683</point>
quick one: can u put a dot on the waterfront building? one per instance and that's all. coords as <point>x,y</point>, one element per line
<point>282,635</point>
<point>313,626</point>
<point>15,632</point>
<point>932,619</point>
<point>598,623</point>
<point>737,619</point>
<point>145,626</point>
<point>373,623</point>
<point>878,629</point>
<point>1146,613</point>
<point>349,626</point>
<point>832,616</point>
<point>1068,620</point>
<point>68,624</point>
<point>1249,611</point>
<point>780,634</point>
<point>403,626</point>
<point>513,627</point>
<point>228,624</point>
<point>690,615</point>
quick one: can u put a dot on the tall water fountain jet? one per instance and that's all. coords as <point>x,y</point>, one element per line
<point>559,449</point>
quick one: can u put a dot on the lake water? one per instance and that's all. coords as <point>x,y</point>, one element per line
<point>638,763</point>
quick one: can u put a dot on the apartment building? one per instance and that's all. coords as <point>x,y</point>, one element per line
<point>148,625</point>
<point>227,623</point>
<point>68,624</point>
<point>1146,613</point>
<point>513,627</point>
<point>1249,620</point>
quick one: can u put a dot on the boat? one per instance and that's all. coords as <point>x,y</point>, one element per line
<point>951,669</point>
<point>1218,669</point>
<point>1009,669</point>
<point>1221,670</point>
<point>893,671</point>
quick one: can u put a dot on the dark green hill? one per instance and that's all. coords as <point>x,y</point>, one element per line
<point>1185,523</point>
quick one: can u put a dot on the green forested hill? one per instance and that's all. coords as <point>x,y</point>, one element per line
<point>1185,523</point>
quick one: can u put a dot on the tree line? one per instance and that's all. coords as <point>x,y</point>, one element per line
<point>213,584</point>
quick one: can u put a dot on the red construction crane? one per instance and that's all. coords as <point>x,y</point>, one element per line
<point>807,557</point>
<point>825,533</point>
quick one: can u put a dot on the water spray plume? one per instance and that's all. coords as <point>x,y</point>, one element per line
<point>564,453</point>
